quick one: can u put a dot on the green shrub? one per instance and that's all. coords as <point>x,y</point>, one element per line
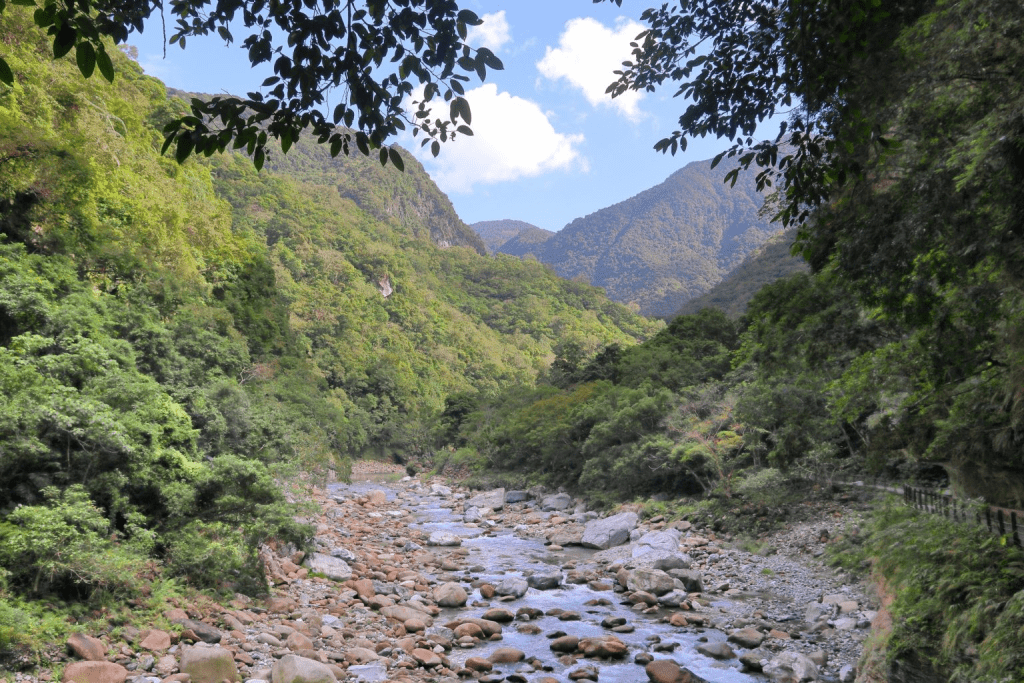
<point>68,547</point>
<point>212,555</point>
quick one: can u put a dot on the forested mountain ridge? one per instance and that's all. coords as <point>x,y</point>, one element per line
<point>770,262</point>
<point>662,247</point>
<point>178,339</point>
<point>496,233</point>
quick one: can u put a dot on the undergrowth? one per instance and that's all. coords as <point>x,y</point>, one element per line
<point>958,593</point>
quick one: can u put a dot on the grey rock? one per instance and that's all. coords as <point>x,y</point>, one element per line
<point>512,586</point>
<point>556,501</point>
<point>692,580</point>
<point>716,650</point>
<point>610,531</point>
<point>471,515</point>
<point>369,673</point>
<point>334,568</point>
<point>517,496</point>
<point>450,595</point>
<point>545,579</point>
<point>206,633</point>
<point>791,667</point>
<point>673,598</point>
<point>444,538</point>
<point>343,554</point>
<point>209,664</point>
<point>495,500</point>
<point>650,581</point>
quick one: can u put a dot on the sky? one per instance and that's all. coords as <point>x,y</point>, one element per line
<point>549,145</point>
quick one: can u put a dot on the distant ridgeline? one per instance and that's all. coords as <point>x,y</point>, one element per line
<point>657,250</point>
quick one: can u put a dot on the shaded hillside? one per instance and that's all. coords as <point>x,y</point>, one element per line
<point>496,233</point>
<point>772,261</point>
<point>530,241</point>
<point>665,245</point>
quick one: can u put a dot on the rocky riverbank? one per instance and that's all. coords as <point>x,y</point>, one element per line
<point>508,586</point>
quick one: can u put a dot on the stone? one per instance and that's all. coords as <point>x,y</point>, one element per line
<point>364,588</point>
<point>334,568</point>
<point>716,650</point>
<point>791,667</point>
<point>209,664</point>
<point>513,586</point>
<point>499,614</point>
<point>747,637</point>
<point>450,595</point>
<point>279,604</point>
<point>360,655</point>
<point>678,619</point>
<point>167,664</point>
<point>94,672</point>
<point>517,496</point>
<point>376,497</point>
<point>545,580</point>
<point>506,655</point>
<point>296,641</point>
<point>565,644</point>
<point>204,632</point>
<point>155,640</point>
<point>87,647</point>
<point>751,659</point>
<point>587,672</point>
<point>494,500</point>
<point>668,671</point>
<point>692,580</point>
<point>556,502</point>
<point>444,539</point>
<point>666,539</point>
<point>610,531</point>
<point>472,515</point>
<point>603,646</point>
<point>369,673</point>
<point>415,625</point>
<point>479,664</point>
<point>469,629</point>
<point>295,669</point>
<point>674,598</point>
<point>403,613</point>
<point>652,581</point>
<point>847,674</point>
<point>427,658</point>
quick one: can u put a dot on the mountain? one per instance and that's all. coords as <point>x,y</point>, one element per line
<point>770,262</point>
<point>664,246</point>
<point>496,233</point>
<point>528,242</point>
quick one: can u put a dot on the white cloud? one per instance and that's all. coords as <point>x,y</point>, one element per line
<point>512,138</point>
<point>493,33</point>
<point>587,54</point>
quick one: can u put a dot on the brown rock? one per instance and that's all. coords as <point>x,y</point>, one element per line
<point>175,615</point>
<point>427,658</point>
<point>667,671</point>
<point>415,625</point>
<point>280,605</point>
<point>471,630</point>
<point>499,614</point>
<point>746,637</point>
<point>87,647</point>
<point>155,640</point>
<point>678,619</point>
<point>296,641</point>
<point>565,644</point>
<point>360,655</point>
<point>506,655</point>
<point>487,591</point>
<point>94,672</point>
<point>177,678</point>
<point>478,664</point>
<point>364,588</point>
<point>165,665</point>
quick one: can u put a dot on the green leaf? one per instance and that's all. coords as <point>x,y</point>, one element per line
<point>383,157</point>
<point>396,158</point>
<point>168,141</point>
<point>85,56</point>
<point>435,147</point>
<point>258,158</point>
<point>6,75</point>
<point>185,147</point>
<point>286,143</point>
<point>465,130</point>
<point>63,41</point>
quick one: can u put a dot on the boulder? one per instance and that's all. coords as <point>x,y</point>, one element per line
<point>205,632</point>
<point>506,655</point>
<point>658,558</point>
<point>692,580</point>
<point>545,579</point>
<point>716,650</point>
<point>155,640</point>
<point>444,539</point>
<point>517,496</point>
<point>495,500</point>
<point>450,595</point>
<point>650,581</point>
<point>747,637</point>
<point>791,667</point>
<point>296,641</point>
<point>472,515</point>
<point>295,669</point>
<point>666,539</point>
<point>87,647</point>
<point>513,586</point>
<point>667,671</point>
<point>428,659</point>
<point>94,672</point>
<point>403,613</point>
<point>209,664</point>
<point>375,672</point>
<point>334,568</point>
<point>610,531</point>
<point>556,502</point>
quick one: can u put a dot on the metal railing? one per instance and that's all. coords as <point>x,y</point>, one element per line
<point>1001,521</point>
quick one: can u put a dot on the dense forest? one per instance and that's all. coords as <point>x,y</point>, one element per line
<point>176,340</point>
<point>179,339</point>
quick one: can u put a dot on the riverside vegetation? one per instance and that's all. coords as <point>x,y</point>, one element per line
<point>179,340</point>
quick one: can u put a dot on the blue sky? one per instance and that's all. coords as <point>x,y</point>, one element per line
<point>549,145</point>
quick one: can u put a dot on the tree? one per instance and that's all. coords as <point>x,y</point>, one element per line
<point>374,53</point>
